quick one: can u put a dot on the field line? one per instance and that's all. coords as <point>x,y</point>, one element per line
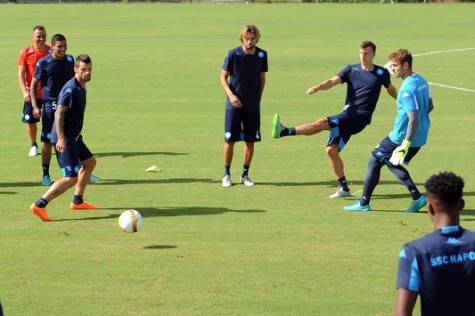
<point>450,87</point>
<point>444,51</point>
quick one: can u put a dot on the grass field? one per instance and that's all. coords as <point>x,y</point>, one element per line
<point>279,248</point>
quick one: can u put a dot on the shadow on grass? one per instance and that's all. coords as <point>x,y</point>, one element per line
<point>165,211</point>
<point>8,193</point>
<point>331,183</point>
<point>156,181</point>
<point>467,212</point>
<point>20,184</point>
<point>138,153</point>
<point>116,182</point>
<point>160,247</point>
<point>187,211</point>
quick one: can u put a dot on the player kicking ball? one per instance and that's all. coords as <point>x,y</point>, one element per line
<point>364,82</point>
<point>75,159</point>
<point>410,132</point>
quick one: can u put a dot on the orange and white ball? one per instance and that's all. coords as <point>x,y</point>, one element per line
<point>130,221</point>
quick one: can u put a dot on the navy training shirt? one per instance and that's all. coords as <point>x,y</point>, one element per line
<point>245,70</point>
<point>441,268</point>
<point>54,73</point>
<point>363,87</point>
<point>72,96</point>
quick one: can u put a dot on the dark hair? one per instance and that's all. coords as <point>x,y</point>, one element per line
<point>39,28</point>
<point>403,55</point>
<point>83,58</point>
<point>56,38</point>
<point>446,187</point>
<point>368,44</point>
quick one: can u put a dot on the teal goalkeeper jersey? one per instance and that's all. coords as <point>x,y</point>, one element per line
<point>413,95</point>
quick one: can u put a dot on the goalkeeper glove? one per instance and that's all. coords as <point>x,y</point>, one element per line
<point>399,154</point>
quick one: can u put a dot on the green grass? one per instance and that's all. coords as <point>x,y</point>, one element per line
<point>279,248</point>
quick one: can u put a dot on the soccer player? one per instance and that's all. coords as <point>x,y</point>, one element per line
<point>27,60</point>
<point>247,67</point>
<point>410,132</point>
<point>75,159</point>
<point>439,267</point>
<point>364,82</point>
<point>53,71</point>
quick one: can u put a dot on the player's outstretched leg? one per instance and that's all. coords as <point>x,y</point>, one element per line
<point>279,130</point>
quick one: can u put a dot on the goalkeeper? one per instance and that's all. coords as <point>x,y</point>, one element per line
<point>411,128</point>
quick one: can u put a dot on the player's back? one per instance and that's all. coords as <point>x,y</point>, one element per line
<point>446,264</point>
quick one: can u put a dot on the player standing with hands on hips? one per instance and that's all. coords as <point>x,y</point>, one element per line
<point>246,66</point>
<point>75,159</point>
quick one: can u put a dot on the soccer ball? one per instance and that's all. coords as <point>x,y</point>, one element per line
<point>130,221</point>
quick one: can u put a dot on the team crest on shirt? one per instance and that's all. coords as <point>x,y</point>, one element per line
<point>379,71</point>
<point>261,54</point>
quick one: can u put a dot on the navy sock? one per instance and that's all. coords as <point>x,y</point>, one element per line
<point>46,170</point>
<point>288,131</point>
<point>35,144</point>
<point>343,184</point>
<point>77,199</point>
<point>227,170</point>
<point>41,203</point>
<point>245,170</point>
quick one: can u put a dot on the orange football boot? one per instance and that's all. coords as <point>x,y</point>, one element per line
<point>40,212</point>
<point>82,206</point>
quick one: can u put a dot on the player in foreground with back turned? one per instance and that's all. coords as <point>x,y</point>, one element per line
<point>74,158</point>
<point>364,82</point>
<point>439,267</point>
<point>410,132</point>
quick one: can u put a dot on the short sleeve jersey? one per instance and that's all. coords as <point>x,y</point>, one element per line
<point>54,73</point>
<point>414,95</point>
<point>29,56</point>
<point>72,96</point>
<point>363,87</point>
<point>245,70</point>
<point>441,268</point>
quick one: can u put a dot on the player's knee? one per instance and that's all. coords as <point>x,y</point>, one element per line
<point>332,150</point>
<point>89,164</point>
<point>374,163</point>
<point>70,181</point>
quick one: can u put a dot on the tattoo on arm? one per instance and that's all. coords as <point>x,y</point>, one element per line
<point>59,120</point>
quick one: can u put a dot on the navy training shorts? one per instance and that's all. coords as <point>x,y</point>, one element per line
<point>70,159</point>
<point>343,125</point>
<point>242,124</point>
<point>27,116</point>
<point>385,149</point>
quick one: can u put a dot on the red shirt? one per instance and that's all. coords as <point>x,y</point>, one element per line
<point>29,56</point>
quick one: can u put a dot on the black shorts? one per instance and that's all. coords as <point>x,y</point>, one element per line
<point>47,120</point>
<point>27,116</point>
<point>70,159</point>
<point>242,124</point>
<point>343,125</point>
<point>385,149</point>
